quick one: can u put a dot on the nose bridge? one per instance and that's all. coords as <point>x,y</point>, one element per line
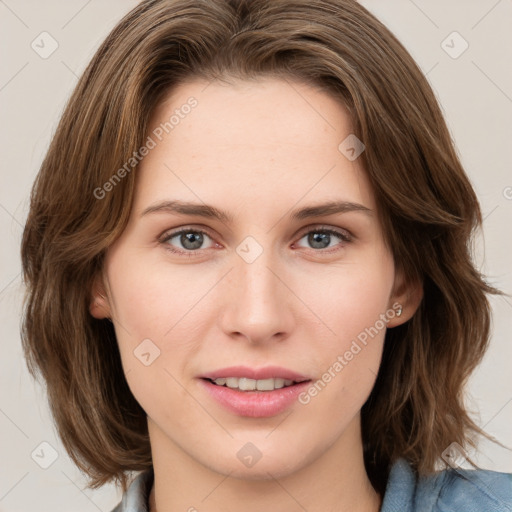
<point>259,283</point>
<point>256,307</point>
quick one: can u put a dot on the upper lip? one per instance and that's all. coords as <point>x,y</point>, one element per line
<point>268,372</point>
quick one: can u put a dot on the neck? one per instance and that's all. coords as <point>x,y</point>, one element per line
<point>334,481</point>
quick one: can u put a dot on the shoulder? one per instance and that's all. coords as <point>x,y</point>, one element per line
<point>481,489</point>
<point>450,490</point>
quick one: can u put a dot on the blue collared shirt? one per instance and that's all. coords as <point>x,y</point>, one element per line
<point>452,490</point>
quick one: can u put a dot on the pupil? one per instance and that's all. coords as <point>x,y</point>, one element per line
<point>192,240</point>
<point>319,240</point>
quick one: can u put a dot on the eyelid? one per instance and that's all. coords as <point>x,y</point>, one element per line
<point>341,232</point>
<point>169,233</point>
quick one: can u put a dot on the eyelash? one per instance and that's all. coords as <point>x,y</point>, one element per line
<point>344,236</point>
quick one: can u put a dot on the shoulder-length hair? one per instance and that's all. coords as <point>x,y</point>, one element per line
<point>429,212</point>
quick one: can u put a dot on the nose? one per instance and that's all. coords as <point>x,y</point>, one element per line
<point>257,304</point>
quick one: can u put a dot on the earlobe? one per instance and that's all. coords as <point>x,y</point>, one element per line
<point>99,305</point>
<point>405,301</point>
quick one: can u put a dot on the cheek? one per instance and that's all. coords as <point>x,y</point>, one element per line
<point>354,304</point>
<point>152,297</point>
<point>350,297</point>
<point>155,328</point>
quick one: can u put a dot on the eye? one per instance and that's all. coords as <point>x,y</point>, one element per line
<point>187,240</point>
<point>325,238</point>
<point>190,241</point>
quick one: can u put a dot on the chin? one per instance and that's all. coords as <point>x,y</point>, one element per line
<point>261,471</point>
<point>250,463</point>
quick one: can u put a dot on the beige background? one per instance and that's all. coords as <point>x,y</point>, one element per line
<point>474,89</point>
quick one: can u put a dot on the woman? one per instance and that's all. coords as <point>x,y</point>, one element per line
<point>248,268</point>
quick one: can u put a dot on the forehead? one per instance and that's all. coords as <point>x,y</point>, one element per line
<point>261,144</point>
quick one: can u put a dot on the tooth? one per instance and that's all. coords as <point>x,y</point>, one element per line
<point>279,383</point>
<point>232,382</point>
<point>246,384</point>
<point>265,385</point>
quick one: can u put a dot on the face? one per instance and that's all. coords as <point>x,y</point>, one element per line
<point>253,258</point>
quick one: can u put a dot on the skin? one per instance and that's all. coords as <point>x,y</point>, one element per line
<point>257,150</point>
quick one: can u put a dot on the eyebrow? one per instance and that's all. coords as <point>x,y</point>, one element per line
<point>207,211</point>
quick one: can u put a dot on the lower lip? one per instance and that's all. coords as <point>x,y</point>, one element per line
<point>255,404</point>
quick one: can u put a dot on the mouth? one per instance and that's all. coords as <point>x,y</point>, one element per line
<point>254,393</point>
<point>246,384</point>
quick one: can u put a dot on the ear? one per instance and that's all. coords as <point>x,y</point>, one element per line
<point>99,305</point>
<point>405,299</point>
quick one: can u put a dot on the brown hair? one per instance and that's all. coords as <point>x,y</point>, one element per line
<point>429,212</point>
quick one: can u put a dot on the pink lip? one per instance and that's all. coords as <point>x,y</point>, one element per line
<point>268,372</point>
<point>254,404</point>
